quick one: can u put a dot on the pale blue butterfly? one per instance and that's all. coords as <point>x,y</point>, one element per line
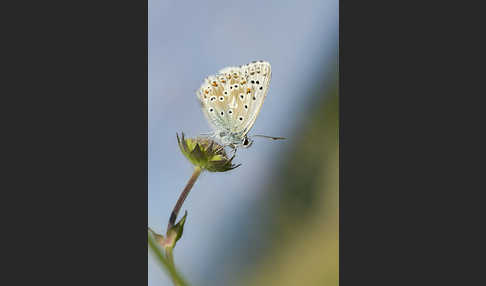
<point>232,99</point>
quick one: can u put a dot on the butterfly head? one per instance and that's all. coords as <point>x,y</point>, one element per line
<point>246,142</point>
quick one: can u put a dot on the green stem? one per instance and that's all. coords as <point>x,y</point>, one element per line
<point>183,196</point>
<point>170,257</point>
<point>168,265</point>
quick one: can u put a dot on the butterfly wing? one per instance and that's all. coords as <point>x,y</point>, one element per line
<point>258,76</point>
<point>232,99</point>
<point>216,96</point>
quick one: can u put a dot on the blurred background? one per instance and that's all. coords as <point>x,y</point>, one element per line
<point>274,220</point>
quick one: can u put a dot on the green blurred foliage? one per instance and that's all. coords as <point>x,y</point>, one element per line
<point>302,207</point>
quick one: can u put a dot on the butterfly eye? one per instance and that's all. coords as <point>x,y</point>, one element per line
<point>254,98</point>
<point>225,92</point>
<point>240,118</point>
<point>221,98</point>
<point>261,87</point>
<point>257,82</point>
<point>230,111</point>
<point>242,96</point>
<point>213,98</point>
<point>222,113</point>
<point>252,81</point>
<point>211,110</point>
<point>246,141</point>
<point>236,86</point>
<point>246,106</point>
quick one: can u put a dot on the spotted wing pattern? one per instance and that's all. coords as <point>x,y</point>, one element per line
<point>232,99</point>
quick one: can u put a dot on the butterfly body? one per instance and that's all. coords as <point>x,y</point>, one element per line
<point>232,99</point>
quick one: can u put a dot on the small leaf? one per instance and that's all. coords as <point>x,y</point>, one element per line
<point>180,226</point>
<point>197,153</point>
<point>158,237</point>
<point>175,233</point>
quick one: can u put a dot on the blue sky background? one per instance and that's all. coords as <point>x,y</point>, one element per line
<point>189,40</point>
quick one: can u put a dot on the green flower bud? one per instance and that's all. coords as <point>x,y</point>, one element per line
<point>206,154</point>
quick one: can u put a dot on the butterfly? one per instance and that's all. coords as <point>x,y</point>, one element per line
<point>232,99</point>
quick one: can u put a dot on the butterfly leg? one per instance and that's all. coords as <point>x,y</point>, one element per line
<point>211,134</point>
<point>233,149</point>
<point>219,148</point>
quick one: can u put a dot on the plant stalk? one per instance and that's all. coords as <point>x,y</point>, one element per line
<point>183,196</point>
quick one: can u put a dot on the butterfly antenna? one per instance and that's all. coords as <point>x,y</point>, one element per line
<point>270,137</point>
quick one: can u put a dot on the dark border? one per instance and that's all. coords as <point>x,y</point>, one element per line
<point>398,195</point>
<point>77,142</point>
